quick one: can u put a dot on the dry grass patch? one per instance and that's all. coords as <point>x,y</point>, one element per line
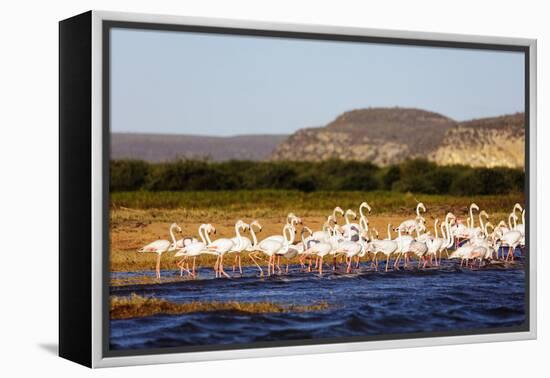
<point>139,306</point>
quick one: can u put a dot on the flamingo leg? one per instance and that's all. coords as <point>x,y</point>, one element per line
<point>216,264</point>
<point>252,257</point>
<point>221,268</point>
<point>180,264</point>
<point>158,266</point>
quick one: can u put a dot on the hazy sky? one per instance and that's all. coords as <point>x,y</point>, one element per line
<point>192,83</point>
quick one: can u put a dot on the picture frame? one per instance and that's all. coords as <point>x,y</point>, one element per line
<point>84,155</point>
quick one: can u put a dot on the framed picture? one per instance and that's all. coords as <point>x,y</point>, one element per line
<point>232,189</point>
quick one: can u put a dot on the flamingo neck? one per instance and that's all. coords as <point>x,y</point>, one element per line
<point>363,223</point>
<point>334,212</point>
<point>172,235</point>
<point>365,205</point>
<point>481,222</point>
<point>303,238</point>
<point>254,238</point>
<point>238,233</point>
<point>201,229</point>
<point>435,229</point>
<point>290,239</point>
<point>449,234</point>
<point>389,231</point>
<point>207,235</point>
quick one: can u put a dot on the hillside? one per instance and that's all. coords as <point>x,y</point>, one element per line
<point>380,135</point>
<point>163,147</point>
<point>390,135</point>
<point>487,142</point>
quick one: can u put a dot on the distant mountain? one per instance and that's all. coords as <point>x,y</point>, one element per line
<point>164,147</point>
<point>380,135</point>
<point>390,135</point>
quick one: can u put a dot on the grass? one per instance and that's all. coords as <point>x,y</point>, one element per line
<point>139,306</point>
<point>261,202</point>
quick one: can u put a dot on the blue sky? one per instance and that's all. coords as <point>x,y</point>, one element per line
<point>192,83</point>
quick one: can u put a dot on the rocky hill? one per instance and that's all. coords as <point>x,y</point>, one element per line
<point>164,147</point>
<point>390,135</point>
<point>487,142</point>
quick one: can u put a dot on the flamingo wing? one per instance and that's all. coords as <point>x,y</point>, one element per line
<point>221,245</point>
<point>158,246</point>
<point>270,246</point>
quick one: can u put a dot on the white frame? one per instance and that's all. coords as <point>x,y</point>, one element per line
<point>97,203</point>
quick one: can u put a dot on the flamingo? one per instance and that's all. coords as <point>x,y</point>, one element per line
<point>520,227</point>
<point>471,231</point>
<point>410,225</point>
<point>434,244</point>
<point>447,235</point>
<point>196,248</point>
<point>511,239</point>
<point>403,247</point>
<point>337,210</point>
<point>478,247</point>
<point>292,220</point>
<point>270,247</point>
<point>351,229</point>
<point>305,245</point>
<point>363,220</point>
<point>185,241</point>
<point>320,249</point>
<point>223,245</point>
<point>325,233</point>
<point>161,246</point>
<point>350,249</point>
<point>419,246</point>
<point>242,244</point>
<point>386,247</point>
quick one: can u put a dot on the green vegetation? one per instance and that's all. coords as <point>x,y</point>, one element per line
<point>138,306</point>
<point>416,176</point>
<point>256,203</point>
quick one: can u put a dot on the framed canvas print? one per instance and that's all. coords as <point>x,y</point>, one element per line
<point>233,189</point>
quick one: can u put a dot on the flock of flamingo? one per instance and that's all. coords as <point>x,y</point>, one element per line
<point>346,245</point>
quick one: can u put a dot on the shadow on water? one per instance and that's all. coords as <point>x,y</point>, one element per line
<point>364,303</point>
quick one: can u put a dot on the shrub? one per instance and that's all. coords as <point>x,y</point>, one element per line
<point>128,174</point>
<point>417,176</point>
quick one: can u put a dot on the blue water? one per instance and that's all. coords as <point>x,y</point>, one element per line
<point>449,298</point>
